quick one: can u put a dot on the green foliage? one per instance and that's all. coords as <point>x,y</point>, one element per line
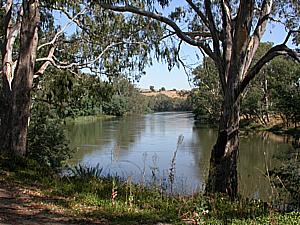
<point>131,203</point>
<point>162,89</point>
<point>114,43</point>
<point>207,98</point>
<point>164,103</point>
<point>47,143</point>
<point>161,103</point>
<point>275,91</point>
<point>253,106</point>
<point>285,88</point>
<point>72,96</point>
<point>117,107</point>
<point>286,179</point>
<point>126,90</point>
<point>86,172</point>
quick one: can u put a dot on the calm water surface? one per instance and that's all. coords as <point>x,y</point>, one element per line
<point>143,146</point>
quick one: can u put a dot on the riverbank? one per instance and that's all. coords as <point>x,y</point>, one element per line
<point>32,194</point>
<point>84,119</point>
<point>276,127</point>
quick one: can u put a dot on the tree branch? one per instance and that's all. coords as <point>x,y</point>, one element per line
<point>213,29</point>
<point>12,30</point>
<point>199,13</point>
<point>275,51</point>
<point>51,59</point>
<point>169,22</point>
<point>182,35</point>
<point>75,20</point>
<point>60,32</point>
<point>226,40</point>
<point>289,35</point>
<point>44,66</point>
<point>258,33</point>
<point>185,68</point>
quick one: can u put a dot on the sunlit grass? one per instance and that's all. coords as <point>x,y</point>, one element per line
<point>118,201</point>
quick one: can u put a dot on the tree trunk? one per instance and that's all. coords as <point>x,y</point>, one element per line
<point>266,100</point>
<point>223,162</point>
<point>16,97</point>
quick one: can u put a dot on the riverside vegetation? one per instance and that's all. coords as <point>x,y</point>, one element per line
<point>88,196</point>
<point>42,65</point>
<point>84,195</point>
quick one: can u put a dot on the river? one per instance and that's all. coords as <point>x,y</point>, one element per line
<point>142,148</point>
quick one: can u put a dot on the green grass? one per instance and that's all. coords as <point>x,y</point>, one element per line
<point>87,119</point>
<point>122,202</point>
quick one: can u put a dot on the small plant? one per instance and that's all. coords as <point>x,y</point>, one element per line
<point>114,192</point>
<point>154,169</point>
<point>173,163</point>
<point>129,193</point>
<point>87,172</point>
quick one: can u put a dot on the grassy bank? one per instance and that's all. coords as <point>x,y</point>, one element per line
<point>84,119</point>
<point>278,128</point>
<point>85,197</point>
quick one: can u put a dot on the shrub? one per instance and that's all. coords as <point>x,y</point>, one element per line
<point>117,107</point>
<point>286,179</point>
<point>47,142</point>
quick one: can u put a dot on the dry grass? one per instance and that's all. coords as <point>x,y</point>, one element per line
<point>169,93</point>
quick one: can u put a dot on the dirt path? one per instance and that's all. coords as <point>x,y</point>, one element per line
<point>25,205</point>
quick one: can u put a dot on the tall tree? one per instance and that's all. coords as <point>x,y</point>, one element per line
<point>33,42</point>
<point>229,32</point>
<point>18,75</point>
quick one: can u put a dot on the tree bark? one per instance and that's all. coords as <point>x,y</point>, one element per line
<point>223,161</point>
<point>18,84</point>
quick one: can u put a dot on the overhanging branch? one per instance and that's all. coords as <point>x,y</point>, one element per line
<point>199,13</point>
<point>275,51</point>
<point>181,34</point>
<point>60,32</point>
<point>289,35</point>
<point>51,59</point>
<point>259,31</point>
<point>169,22</point>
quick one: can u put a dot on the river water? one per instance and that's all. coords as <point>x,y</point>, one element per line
<point>143,147</point>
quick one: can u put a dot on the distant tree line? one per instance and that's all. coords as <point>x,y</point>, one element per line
<point>69,95</point>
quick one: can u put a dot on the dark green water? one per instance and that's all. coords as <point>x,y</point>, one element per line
<point>139,146</point>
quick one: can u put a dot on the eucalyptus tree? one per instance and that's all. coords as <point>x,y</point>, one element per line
<point>229,32</point>
<point>93,40</point>
<point>207,96</point>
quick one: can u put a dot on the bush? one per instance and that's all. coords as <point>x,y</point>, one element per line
<point>286,179</point>
<point>47,142</point>
<point>117,107</point>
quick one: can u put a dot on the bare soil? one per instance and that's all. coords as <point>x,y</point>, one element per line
<point>21,205</point>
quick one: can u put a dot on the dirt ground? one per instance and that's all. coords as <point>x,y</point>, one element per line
<point>24,206</point>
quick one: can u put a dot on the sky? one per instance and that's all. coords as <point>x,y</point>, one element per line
<point>158,74</point>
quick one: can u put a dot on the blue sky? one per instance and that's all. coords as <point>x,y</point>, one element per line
<point>159,76</point>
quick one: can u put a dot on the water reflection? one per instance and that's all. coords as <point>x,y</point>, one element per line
<point>139,146</point>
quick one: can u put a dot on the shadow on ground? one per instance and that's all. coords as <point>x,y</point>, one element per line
<point>26,206</point>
